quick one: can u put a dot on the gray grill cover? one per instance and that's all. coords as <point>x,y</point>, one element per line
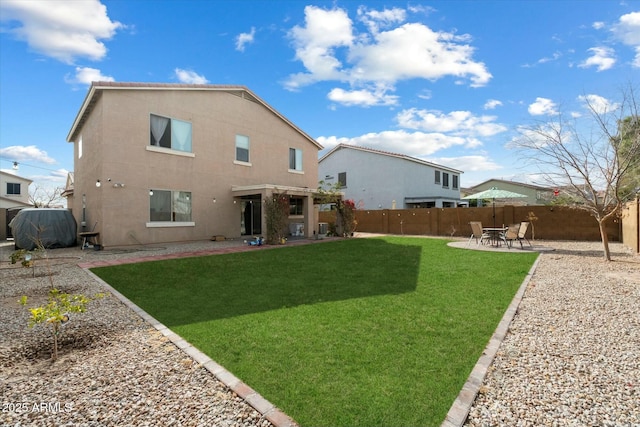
<point>55,228</point>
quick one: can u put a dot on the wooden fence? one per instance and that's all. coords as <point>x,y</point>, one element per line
<point>549,222</point>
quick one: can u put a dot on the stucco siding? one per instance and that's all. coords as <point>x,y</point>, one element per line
<point>377,180</point>
<point>116,150</point>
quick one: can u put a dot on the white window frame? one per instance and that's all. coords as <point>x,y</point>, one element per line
<point>295,160</point>
<point>240,139</point>
<point>174,198</point>
<point>445,180</point>
<point>174,137</point>
<point>13,186</point>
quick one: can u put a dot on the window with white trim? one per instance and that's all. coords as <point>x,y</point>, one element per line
<point>296,206</point>
<point>342,179</point>
<point>170,133</point>
<point>242,148</point>
<point>455,178</point>
<point>445,179</point>
<point>13,188</point>
<point>169,206</point>
<point>295,159</point>
<point>437,181</point>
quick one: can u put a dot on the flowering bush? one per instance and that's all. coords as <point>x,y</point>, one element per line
<point>346,217</point>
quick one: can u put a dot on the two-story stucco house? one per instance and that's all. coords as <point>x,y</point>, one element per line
<point>159,163</point>
<point>14,195</point>
<point>376,179</point>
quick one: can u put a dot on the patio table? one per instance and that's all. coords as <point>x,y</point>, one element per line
<point>495,234</point>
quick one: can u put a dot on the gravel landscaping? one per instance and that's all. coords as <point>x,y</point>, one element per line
<point>571,356</point>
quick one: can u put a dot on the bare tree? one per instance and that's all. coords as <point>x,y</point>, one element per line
<point>42,197</point>
<point>589,158</point>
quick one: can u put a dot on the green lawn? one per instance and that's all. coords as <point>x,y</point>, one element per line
<point>358,332</point>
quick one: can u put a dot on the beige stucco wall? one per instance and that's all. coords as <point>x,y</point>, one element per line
<point>115,147</point>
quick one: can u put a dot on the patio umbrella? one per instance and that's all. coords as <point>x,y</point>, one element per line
<point>494,193</point>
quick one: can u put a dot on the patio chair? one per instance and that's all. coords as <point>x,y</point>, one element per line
<point>510,234</point>
<point>477,233</point>
<point>522,231</point>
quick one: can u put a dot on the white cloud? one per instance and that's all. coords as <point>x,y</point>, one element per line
<point>603,58</point>
<point>415,144</point>
<point>415,51</point>
<point>492,104</point>
<point>543,106</point>
<point>627,30</point>
<point>30,153</point>
<point>467,163</point>
<point>599,104</point>
<point>330,49</point>
<point>324,31</point>
<point>64,30</point>
<point>190,77</point>
<point>375,19</point>
<point>86,75</point>
<point>462,123</point>
<point>363,97</point>
<point>244,39</point>
<point>598,25</point>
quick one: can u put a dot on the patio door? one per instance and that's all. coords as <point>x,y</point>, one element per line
<point>251,216</point>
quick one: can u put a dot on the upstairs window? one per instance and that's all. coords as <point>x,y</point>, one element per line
<point>455,179</point>
<point>169,206</point>
<point>295,159</point>
<point>242,148</point>
<point>170,133</point>
<point>437,181</point>
<point>342,179</point>
<point>13,188</point>
<point>445,179</point>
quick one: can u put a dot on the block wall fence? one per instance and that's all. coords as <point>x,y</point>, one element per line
<point>552,223</point>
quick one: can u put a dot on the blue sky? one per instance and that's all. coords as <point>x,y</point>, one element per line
<point>446,81</point>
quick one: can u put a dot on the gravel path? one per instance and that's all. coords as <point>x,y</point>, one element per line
<point>571,356</point>
<point>572,353</point>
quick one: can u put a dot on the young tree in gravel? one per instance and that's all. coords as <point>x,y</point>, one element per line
<point>590,157</point>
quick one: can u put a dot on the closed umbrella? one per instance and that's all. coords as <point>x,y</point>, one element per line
<point>494,193</point>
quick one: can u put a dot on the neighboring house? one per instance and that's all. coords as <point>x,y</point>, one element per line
<point>536,195</point>
<point>376,179</point>
<point>14,195</point>
<point>68,188</point>
<point>158,163</point>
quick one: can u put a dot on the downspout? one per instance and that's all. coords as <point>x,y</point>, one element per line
<point>83,224</point>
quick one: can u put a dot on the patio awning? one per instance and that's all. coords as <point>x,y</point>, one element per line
<point>248,190</point>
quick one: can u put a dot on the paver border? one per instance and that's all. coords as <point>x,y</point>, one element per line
<point>249,395</point>
<point>461,407</point>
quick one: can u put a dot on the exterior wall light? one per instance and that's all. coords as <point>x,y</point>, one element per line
<point>98,183</point>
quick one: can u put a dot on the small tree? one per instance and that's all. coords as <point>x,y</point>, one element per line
<point>276,210</point>
<point>57,312</point>
<point>42,197</point>
<point>590,161</point>
<point>531,217</point>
